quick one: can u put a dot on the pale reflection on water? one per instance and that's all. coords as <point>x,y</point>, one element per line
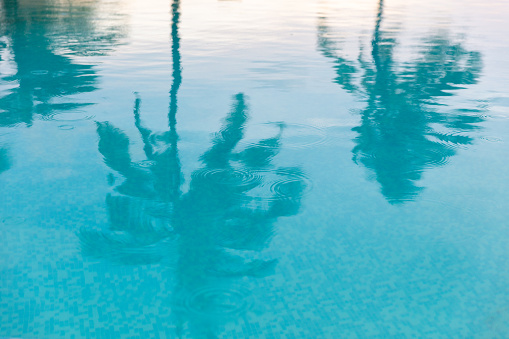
<point>201,169</point>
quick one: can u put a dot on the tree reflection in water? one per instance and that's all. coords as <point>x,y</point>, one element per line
<point>212,235</point>
<point>42,37</point>
<point>402,131</point>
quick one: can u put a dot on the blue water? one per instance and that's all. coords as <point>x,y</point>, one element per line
<point>254,169</point>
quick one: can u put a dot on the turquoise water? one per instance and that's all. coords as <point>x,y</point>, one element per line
<point>254,169</point>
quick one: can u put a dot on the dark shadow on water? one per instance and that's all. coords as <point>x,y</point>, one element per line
<point>405,128</point>
<point>212,235</point>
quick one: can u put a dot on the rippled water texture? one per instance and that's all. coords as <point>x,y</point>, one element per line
<point>254,169</point>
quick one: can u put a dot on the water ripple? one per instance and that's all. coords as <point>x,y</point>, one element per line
<point>144,164</point>
<point>491,139</point>
<point>231,177</point>
<point>39,72</point>
<point>293,135</point>
<point>280,184</point>
<point>70,117</point>
<point>290,183</point>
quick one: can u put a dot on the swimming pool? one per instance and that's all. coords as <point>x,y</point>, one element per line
<point>264,169</point>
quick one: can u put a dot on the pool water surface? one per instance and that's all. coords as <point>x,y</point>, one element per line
<point>254,169</point>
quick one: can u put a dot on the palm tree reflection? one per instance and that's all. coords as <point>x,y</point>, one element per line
<point>42,36</point>
<point>402,130</point>
<point>213,234</point>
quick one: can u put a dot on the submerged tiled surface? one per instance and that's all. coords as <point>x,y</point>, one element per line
<point>351,276</point>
